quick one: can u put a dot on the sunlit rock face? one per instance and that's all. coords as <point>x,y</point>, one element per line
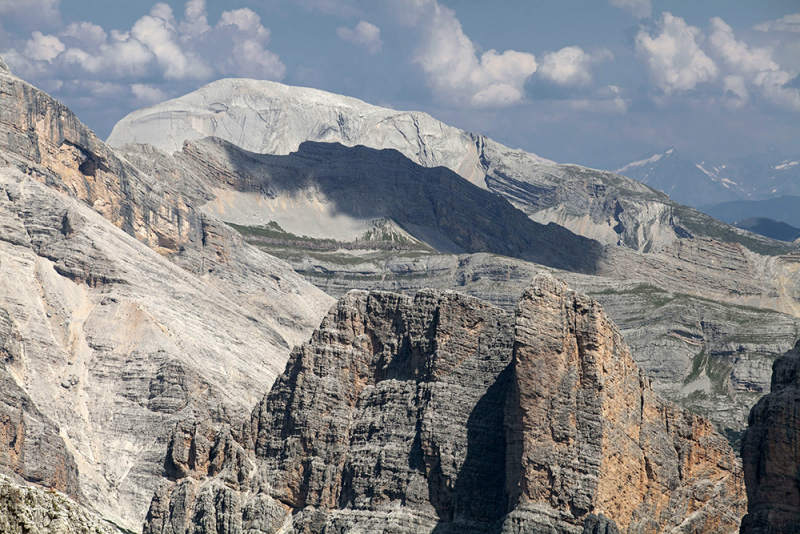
<point>123,309</point>
<point>443,413</point>
<point>271,118</point>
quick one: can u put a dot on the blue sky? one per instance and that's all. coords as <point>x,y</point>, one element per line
<point>594,82</point>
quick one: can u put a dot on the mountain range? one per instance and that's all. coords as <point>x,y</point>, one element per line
<point>703,185</point>
<point>172,342</point>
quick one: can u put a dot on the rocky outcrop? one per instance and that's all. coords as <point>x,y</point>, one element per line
<point>26,509</point>
<point>710,356</point>
<point>271,118</point>
<point>588,434</point>
<point>250,113</point>
<point>319,191</point>
<point>29,442</point>
<point>44,139</point>
<point>770,453</point>
<point>123,309</point>
<point>442,413</point>
<point>114,343</point>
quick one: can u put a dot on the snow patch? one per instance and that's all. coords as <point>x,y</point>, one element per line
<point>785,165</point>
<point>643,162</point>
<point>710,175</point>
<point>538,158</point>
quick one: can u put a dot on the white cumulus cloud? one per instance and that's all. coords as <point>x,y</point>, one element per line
<point>754,65</point>
<point>681,57</point>
<point>638,8</point>
<point>364,34</point>
<point>674,57</point>
<point>158,32</point>
<point>43,47</point>
<point>737,53</point>
<point>170,52</point>
<point>195,20</point>
<point>450,60</point>
<point>789,23</point>
<point>91,35</point>
<point>570,66</point>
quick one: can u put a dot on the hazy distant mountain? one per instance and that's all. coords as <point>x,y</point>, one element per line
<point>686,182</point>
<point>699,184</point>
<point>769,228</point>
<point>785,208</point>
<point>766,175</point>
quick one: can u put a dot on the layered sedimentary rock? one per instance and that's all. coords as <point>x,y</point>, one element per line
<point>712,357</point>
<point>443,413</point>
<point>271,118</point>
<point>319,191</point>
<point>123,309</point>
<point>26,509</point>
<point>770,453</point>
<point>29,442</point>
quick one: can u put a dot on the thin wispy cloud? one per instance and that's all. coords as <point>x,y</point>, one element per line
<point>788,23</point>
<point>364,34</point>
<point>637,8</point>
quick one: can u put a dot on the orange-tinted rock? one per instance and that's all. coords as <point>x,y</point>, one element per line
<point>587,433</point>
<point>443,413</point>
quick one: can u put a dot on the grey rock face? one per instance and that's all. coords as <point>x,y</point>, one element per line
<point>433,205</point>
<point>29,442</point>
<point>770,453</point>
<point>712,357</point>
<point>256,190</point>
<point>445,414</point>
<point>124,308</point>
<point>270,118</point>
<point>26,510</point>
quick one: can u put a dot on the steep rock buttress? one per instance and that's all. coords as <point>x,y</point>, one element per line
<point>442,413</point>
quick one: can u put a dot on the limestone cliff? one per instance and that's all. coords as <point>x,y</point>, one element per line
<point>770,453</point>
<point>123,309</point>
<point>443,413</point>
<point>271,118</point>
<point>27,509</point>
<point>320,191</point>
<point>311,208</point>
<point>30,445</point>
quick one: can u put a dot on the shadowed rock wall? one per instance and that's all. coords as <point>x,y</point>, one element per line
<point>771,453</point>
<point>443,413</point>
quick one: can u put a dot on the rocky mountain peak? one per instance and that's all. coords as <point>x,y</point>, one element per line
<point>123,309</point>
<point>442,413</point>
<point>3,67</point>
